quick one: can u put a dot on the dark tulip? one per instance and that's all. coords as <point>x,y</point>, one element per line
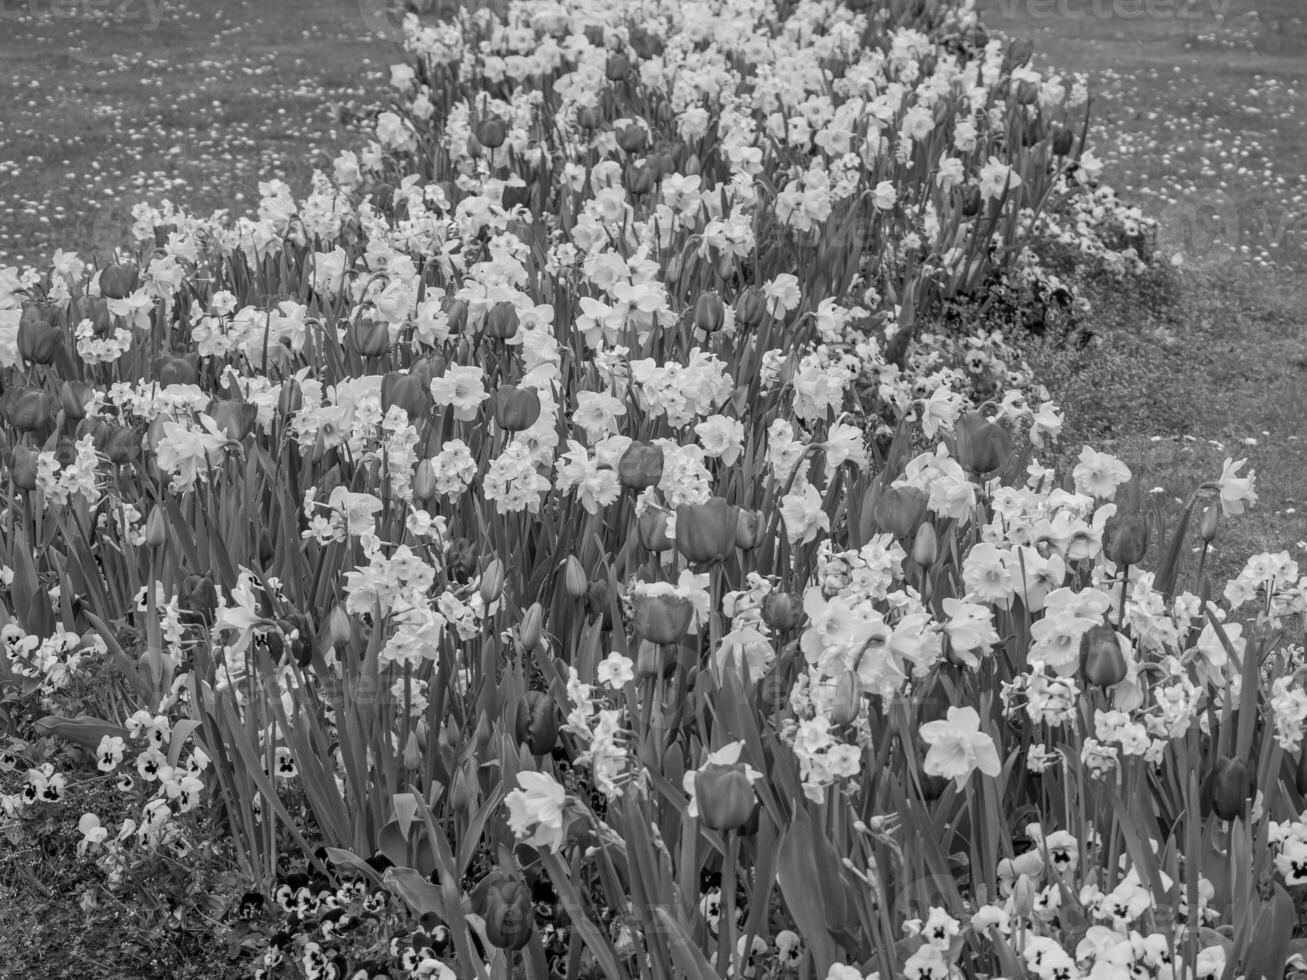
<point>408,392</point>
<point>632,138</point>
<point>750,529</point>
<point>173,370</point>
<point>983,446</point>
<point>641,466</point>
<point>74,397</point>
<point>782,611</point>
<point>537,722</point>
<point>639,180</point>
<point>662,619</point>
<point>900,510</point>
<point>1209,523</point>
<point>122,446</point>
<point>750,307</point>
<point>1101,659</point>
<point>23,469</point>
<point>30,409</point>
<point>503,900</point>
<point>1229,788</point>
<point>706,532</point>
<point>618,68</point>
<point>234,418</point>
<point>1125,538</point>
<point>1063,140</point>
<point>119,281</point>
<point>502,321</point>
<point>971,201</point>
<point>724,795</point>
<point>514,408</point>
<point>39,340</point>
<point>371,338</point>
<point>651,526</point>
<point>456,314</point>
<point>598,603</point>
<point>461,559</point>
<point>709,313</point>
<point>587,117</point>
<point>491,133</point>
<point>199,594</point>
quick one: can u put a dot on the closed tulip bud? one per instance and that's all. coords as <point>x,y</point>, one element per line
<point>172,370</point>
<point>709,313</point>
<point>641,466</point>
<point>651,526</point>
<point>371,338</point>
<point>97,311</point>
<point>156,528</point>
<point>847,703</point>
<point>925,547</point>
<point>1229,788</point>
<point>724,795</point>
<point>23,470</point>
<point>412,757</point>
<point>340,628</point>
<point>587,117</point>
<point>400,388</point>
<point>532,626</point>
<point>199,595</point>
<point>75,397</point>
<point>782,611</point>
<point>982,445</point>
<point>537,722</point>
<point>750,529</point>
<point>1209,523</point>
<point>750,307</point>
<point>291,399</point>
<point>971,201</point>
<point>639,180</point>
<point>492,582</point>
<point>503,900</point>
<point>119,281</point>
<point>618,68</point>
<point>234,418</point>
<point>515,409</point>
<point>900,510</point>
<point>1101,659</point>
<point>706,532</point>
<point>30,409</point>
<point>661,617</point>
<point>463,790</point>
<point>632,138</point>
<point>575,584</point>
<point>502,321</point>
<point>598,602</point>
<point>1063,140</point>
<point>424,480</point>
<point>1125,538</point>
<point>692,165</point>
<point>456,315</point>
<point>1024,895</point>
<point>491,133</point>
<point>39,340</point>
<point>1027,92</point>
<point>122,446</point>
<point>461,559</point>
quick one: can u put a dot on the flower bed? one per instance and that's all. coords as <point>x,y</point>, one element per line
<point>583,536</point>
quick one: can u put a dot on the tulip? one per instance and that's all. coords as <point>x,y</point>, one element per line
<point>503,900</point>
<point>199,595</point>
<point>234,418</point>
<point>587,117</point>
<point>515,409</point>
<point>575,584</point>
<point>750,307</point>
<point>1209,523</point>
<point>1125,538</point>
<point>39,340</point>
<point>492,582</point>
<point>122,446</point>
<point>632,138</point>
<point>424,480</point>
<point>709,313</point>
<point>461,559</point>
<point>782,611</point>
<point>598,602</point>
<point>639,180</point>
<point>706,532</point>
<point>156,528</point>
<point>503,321</point>
<point>340,628</point>
<point>900,510</point>
<point>971,201</point>
<point>532,626</point>
<point>1101,659</point>
<point>173,370</point>
<point>30,409</point>
<point>371,338</point>
<point>97,311</point>
<point>1027,92</point>
<point>75,397</point>
<point>456,314</point>
<point>662,617</point>
<point>491,132</point>
<point>119,281</point>
<point>1024,894</point>
<point>750,529</point>
<point>925,547</point>
<point>651,526</point>
<point>982,445</point>
<point>724,795</point>
<point>23,469</point>
<point>641,466</point>
<point>537,722</point>
<point>1228,788</point>
<point>412,757</point>
<point>383,197</point>
<point>1063,140</point>
<point>618,68</point>
<point>847,703</point>
<point>407,391</point>
<point>291,399</point>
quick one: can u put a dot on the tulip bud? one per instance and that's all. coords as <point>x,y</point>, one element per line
<point>750,307</point>
<point>632,138</point>
<point>119,281</point>
<point>340,628</point>
<point>156,528</point>
<point>706,532</point>
<point>1125,538</point>
<point>171,370</point>
<point>982,445</point>
<point>971,201</point>
<point>503,321</point>
<point>537,722</point>
<point>30,409</point>
<point>75,397</point>
<point>515,409</point>
<point>122,446</point>
<point>639,180</point>
<point>491,132</point>
<point>641,466</point>
<point>532,626</point>
<point>724,795</point>
<point>1024,895</point>
<point>618,68</point>
<point>492,582</point>
<point>456,314</point>
<point>925,547</point>
<point>1101,659</point>
<point>1063,140</point>
<point>1228,788</point>
<point>234,418</point>
<point>900,510</point>
<point>503,900</point>
<point>587,117</point>
<point>750,529</point>
<point>709,313</point>
<point>407,391</point>
<point>39,340</point>
<point>371,338</point>
<point>661,617</point>
<point>461,559</point>
<point>575,584</point>
<point>290,399</point>
<point>782,611</point>
<point>424,480</point>
<point>23,469</point>
<point>1027,92</point>
<point>847,703</point>
<point>1211,520</point>
<point>199,595</point>
<point>463,789</point>
<point>651,526</point>
<point>598,602</point>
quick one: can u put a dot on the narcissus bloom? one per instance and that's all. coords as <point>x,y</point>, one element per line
<point>958,747</point>
<point>535,811</point>
<point>1236,491</point>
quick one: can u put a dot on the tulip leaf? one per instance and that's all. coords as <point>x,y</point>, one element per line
<point>799,886</point>
<point>1272,934</point>
<point>84,730</point>
<point>419,894</point>
<point>686,954</point>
